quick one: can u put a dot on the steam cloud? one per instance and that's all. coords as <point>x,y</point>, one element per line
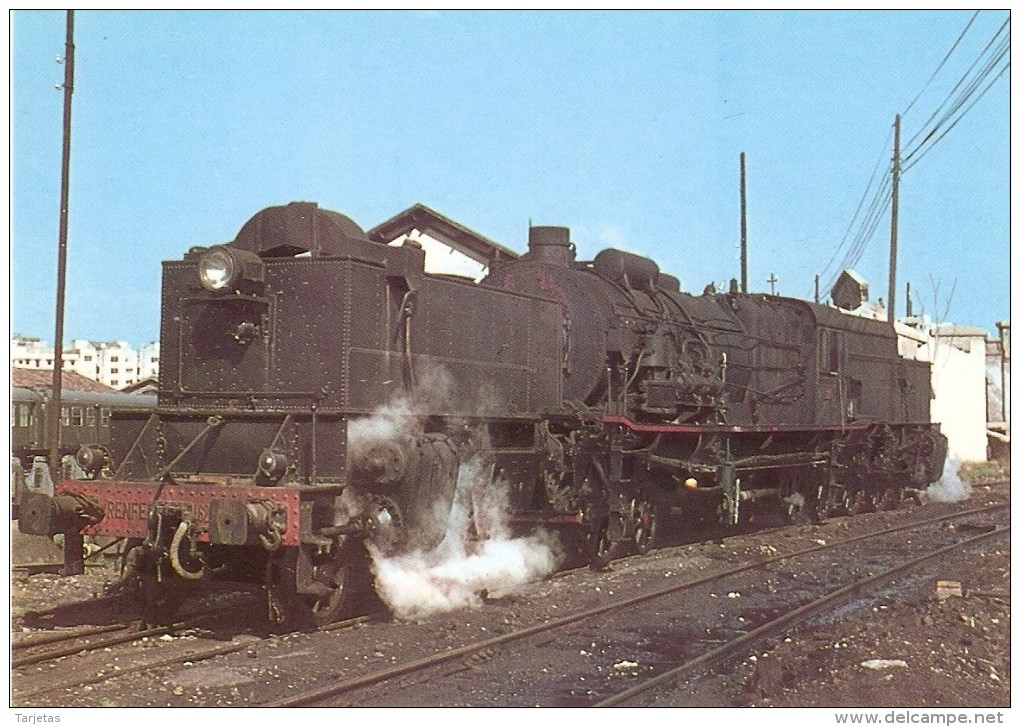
<point>478,551</point>
<point>476,554</point>
<point>401,418</point>
<point>950,488</point>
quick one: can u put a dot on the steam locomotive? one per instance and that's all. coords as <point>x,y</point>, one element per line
<point>598,395</point>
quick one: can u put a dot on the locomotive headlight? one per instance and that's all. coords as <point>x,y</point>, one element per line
<point>222,268</point>
<point>216,269</point>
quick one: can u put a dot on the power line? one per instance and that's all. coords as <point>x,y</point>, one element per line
<point>958,119</point>
<point>936,71</point>
<point>876,211</point>
<point>1000,50</point>
<point>877,206</point>
<point>963,96</point>
<point>868,229</point>
<point>860,204</point>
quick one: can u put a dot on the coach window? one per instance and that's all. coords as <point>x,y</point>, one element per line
<point>90,416</point>
<point>21,415</point>
<point>104,417</point>
<point>76,416</point>
<point>65,416</point>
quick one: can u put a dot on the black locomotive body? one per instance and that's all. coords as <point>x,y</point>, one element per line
<point>319,391</point>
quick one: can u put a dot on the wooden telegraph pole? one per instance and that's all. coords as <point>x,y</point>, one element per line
<point>53,410</point>
<point>743,226</point>
<point>895,219</point>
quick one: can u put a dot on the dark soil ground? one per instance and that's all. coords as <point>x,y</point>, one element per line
<point>931,649</point>
<point>919,647</point>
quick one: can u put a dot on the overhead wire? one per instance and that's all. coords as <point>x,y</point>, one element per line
<point>910,166</point>
<point>860,204</point>
<point>881,200</point>
<point>1000,50</point>
<point>876,209</point>
<point>946,58</point>
<point>869,223</point>
<point>867,231</point>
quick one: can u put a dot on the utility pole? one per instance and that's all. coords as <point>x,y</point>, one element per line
<point>53,410</point>
<point>743,226</point>
<point>772,281</point>
<point>1004,362</point>
<point>895,219</point>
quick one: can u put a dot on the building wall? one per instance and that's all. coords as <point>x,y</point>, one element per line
<point>441,258</point>
<point>114,363</point>
<point>958,381</point>
<point>998,404</point>
<point>1004,378</point>
<point>28,352</point>
<point>148,361</point>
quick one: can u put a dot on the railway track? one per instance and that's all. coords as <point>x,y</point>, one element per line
<point>472,654</point>
<point>778,626</point>
<point>50,678</point>
<point>100,637</point>
<point>191,653</point>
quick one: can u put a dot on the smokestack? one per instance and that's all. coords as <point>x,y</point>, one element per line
<point>551,245</point>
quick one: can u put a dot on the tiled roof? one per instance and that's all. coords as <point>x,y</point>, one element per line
<point>43,379</point>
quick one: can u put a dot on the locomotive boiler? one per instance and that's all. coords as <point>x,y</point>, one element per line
<point>319,392</point>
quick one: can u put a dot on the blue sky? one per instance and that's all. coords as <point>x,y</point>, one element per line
<point>625,127</point>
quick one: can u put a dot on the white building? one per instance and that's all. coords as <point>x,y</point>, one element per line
<point>148,361</point>
<point>114,363</point>
<point>29,352</point>
<point>957,356</point>
<point>450,247</point>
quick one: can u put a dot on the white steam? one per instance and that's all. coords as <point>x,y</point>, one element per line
<point>389,423</point>
<point>476,554</point>
<point>950,488</point>
<point>402,418</point>
<point>477,551</point>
